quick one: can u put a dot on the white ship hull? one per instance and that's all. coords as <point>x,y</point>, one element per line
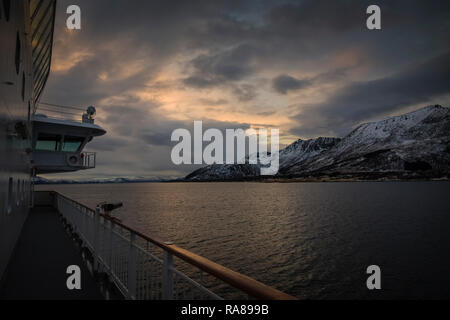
<point>23,75</point>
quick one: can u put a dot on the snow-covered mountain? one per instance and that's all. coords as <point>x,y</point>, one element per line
<point>414,142</point>
<point>298,151</point>
<point>302,150</point>
<point>219,172</point>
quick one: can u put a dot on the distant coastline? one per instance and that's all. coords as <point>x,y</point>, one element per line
<point>360,177</point>
<point>42,181</point>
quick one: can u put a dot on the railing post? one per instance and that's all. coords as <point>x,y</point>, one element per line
<point>83,226</point>
<point>132,275</point>
<point>96,237</point>
<point>110,248</point>
<point>167,276</point>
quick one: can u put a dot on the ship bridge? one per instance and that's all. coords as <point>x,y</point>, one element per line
<point>58,143</point>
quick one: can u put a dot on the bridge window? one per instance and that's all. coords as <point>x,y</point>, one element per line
<point>48,142</point>
<point>72,144</point>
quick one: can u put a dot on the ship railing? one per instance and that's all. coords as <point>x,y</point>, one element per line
<point>59,112</point>
<point>144,268</point>
<point>88,159</point>
<point>58,115</point>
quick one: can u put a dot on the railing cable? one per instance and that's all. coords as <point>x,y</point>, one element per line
<point>62,106</point>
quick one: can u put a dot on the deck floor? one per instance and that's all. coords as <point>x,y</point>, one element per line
<point>37,269</point>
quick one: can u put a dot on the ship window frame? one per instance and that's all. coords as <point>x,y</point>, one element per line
<point>42,67</point>
<point>79,141</point>
<point>42,27</point>
<point>38,19</point>
<point>37,5</point>
<point>38,56</point>
<point>44,137</point>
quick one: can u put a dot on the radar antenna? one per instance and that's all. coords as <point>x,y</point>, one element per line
<point>88,117</point>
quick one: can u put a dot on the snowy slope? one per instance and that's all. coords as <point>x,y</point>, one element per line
<point>304,149</point>
<point>298,151</point>
<point>417,139</point>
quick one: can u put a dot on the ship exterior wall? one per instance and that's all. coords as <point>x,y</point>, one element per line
<point>15,126</point>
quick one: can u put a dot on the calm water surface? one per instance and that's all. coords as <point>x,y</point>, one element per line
<point>312,240</point>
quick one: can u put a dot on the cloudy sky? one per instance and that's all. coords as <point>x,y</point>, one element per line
<point>310,68</point>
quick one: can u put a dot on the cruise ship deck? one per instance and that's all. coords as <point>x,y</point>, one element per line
<point>37,269</point>
<point>116,261</point>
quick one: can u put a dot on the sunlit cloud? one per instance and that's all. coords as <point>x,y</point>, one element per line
<point>62,63</point>
<point>151,67</point>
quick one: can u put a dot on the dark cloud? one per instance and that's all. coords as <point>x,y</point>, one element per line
<point>107,143</point>
<point>237,48</point>
<point>201,82</point>
<point>423,83</point>
<point>245,92</point>
<point>306,18</point>
<point>156,138</point>
<point>221,68</point>
<point>316,28</point>
<point>284,83</point>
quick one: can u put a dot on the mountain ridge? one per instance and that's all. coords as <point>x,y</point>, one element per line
<point>412,145</point>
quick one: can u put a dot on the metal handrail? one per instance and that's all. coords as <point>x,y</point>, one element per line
<point>89,159</point>
<point>239,281</point>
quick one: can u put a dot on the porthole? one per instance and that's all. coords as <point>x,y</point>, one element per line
<point>7,8</point>
<point>17,53</point>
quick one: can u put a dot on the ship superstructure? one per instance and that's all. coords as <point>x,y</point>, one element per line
<point>32,142</point>
<point>26,33</point>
